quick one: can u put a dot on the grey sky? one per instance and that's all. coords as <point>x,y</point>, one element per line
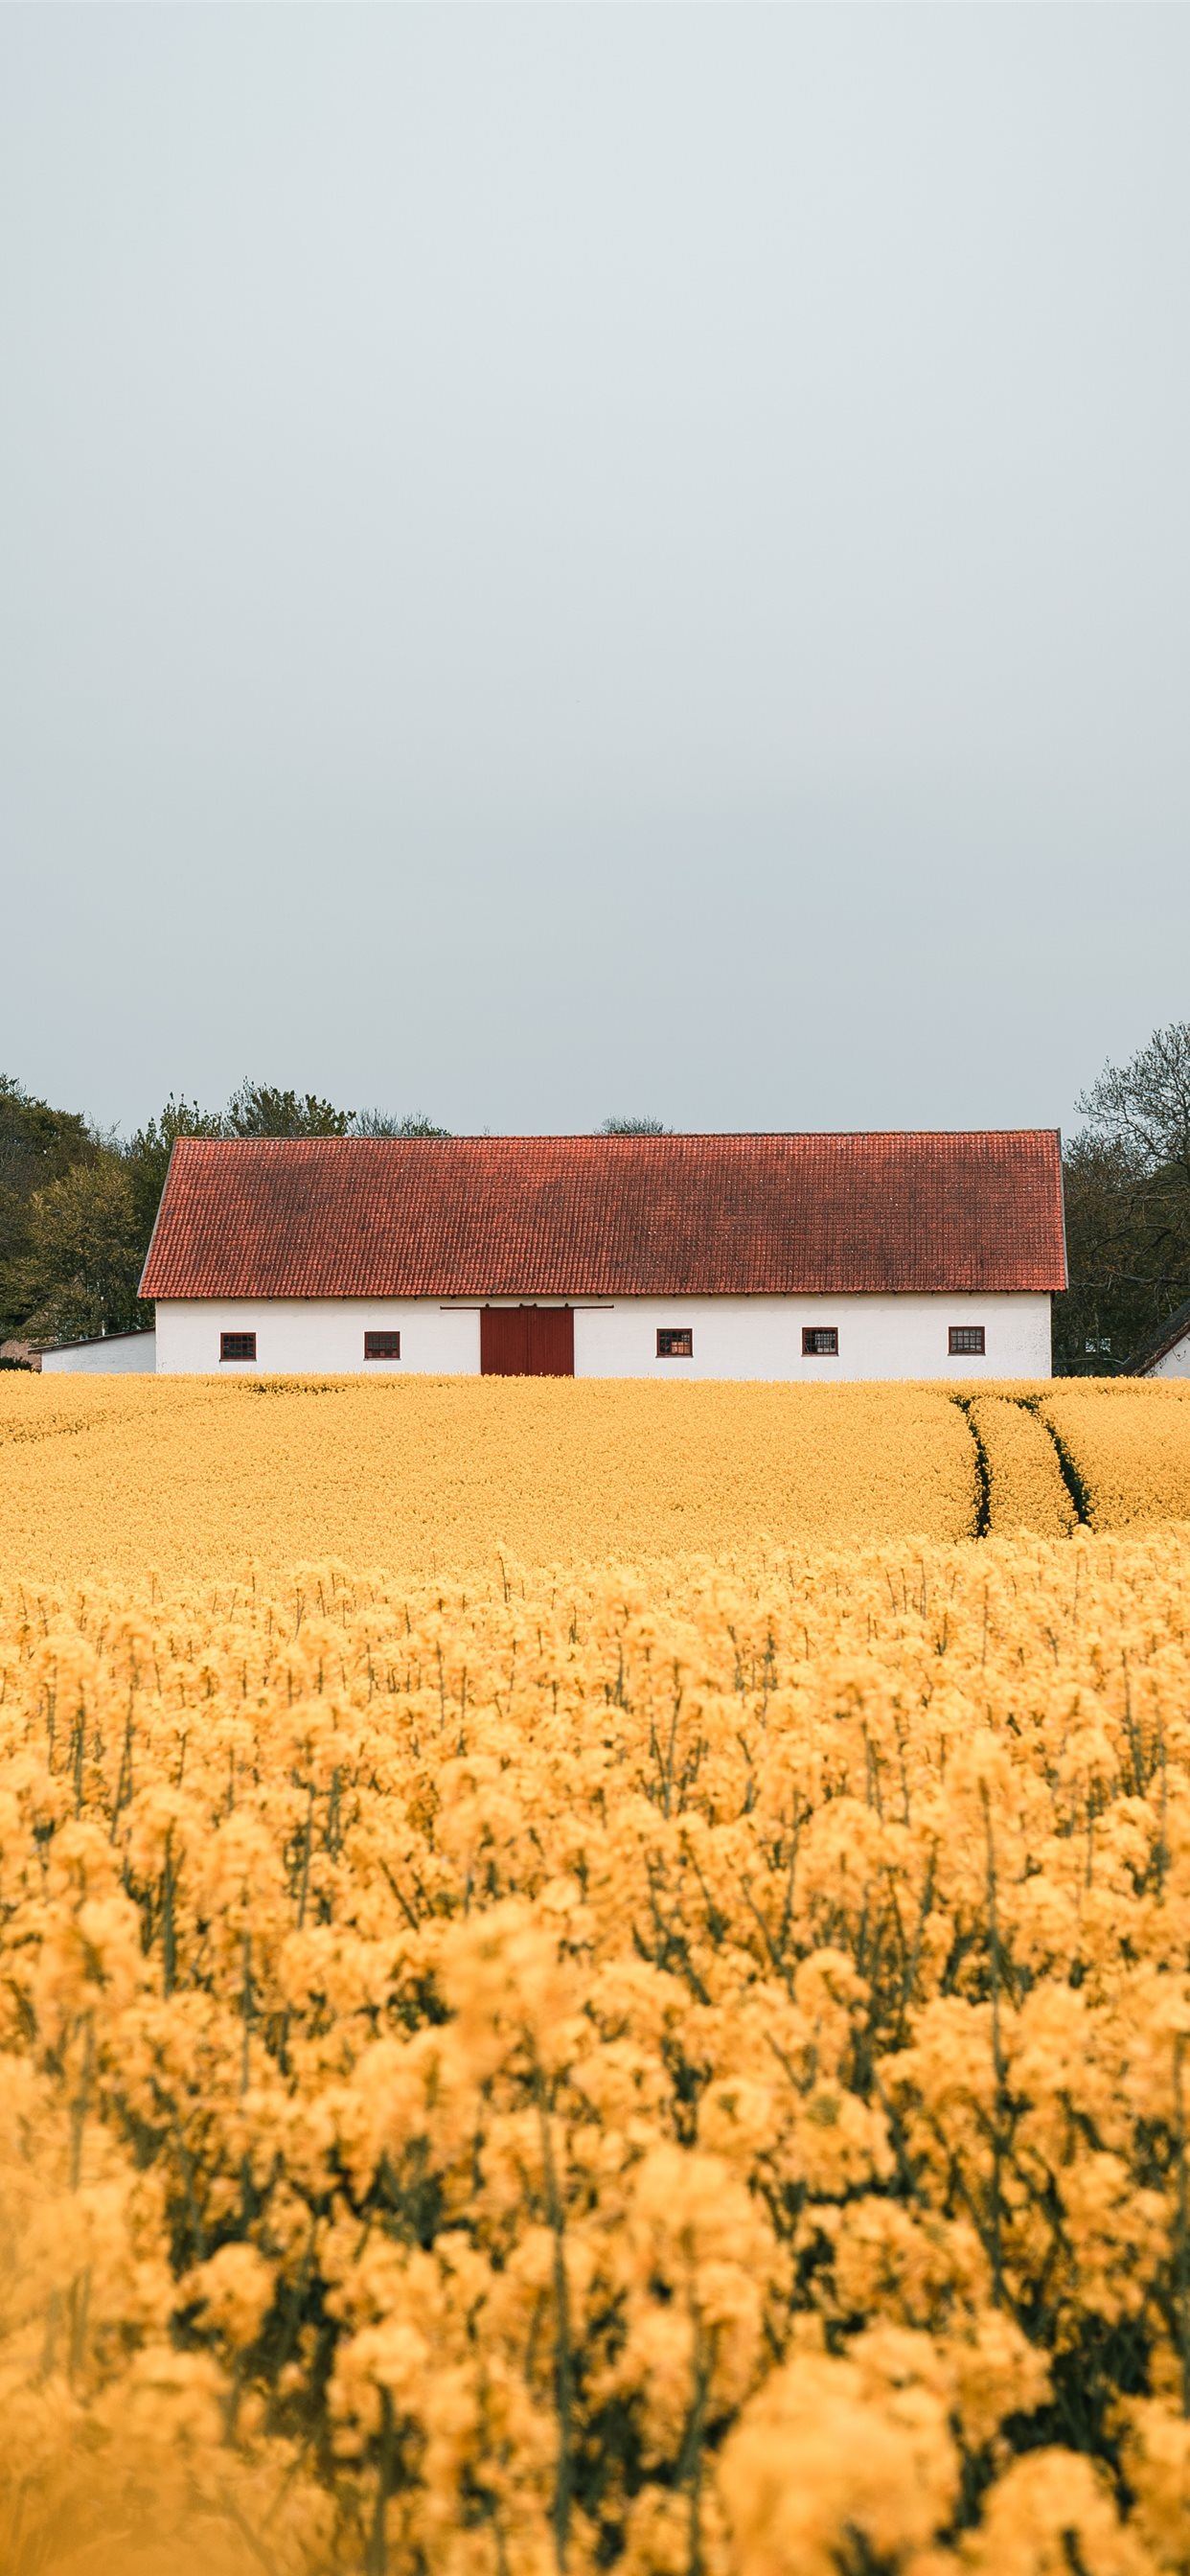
<point>570,560</point>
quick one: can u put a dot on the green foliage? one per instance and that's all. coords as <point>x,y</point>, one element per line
<point>85,1253</point>
<point>77,1209</point>
<point>37,1145</point>
<point>634,1127</point>
<point>146,1156</point>
<point>260,1109</point>
<point>380,1122</point>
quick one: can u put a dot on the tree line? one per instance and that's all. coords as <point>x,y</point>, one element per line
<point>77,1203</point>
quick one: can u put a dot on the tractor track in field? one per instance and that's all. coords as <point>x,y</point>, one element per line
<point>1079,1498</point>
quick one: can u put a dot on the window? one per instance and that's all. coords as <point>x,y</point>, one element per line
<point>967,1341</point>
<point>820,1342</point>
<point>675,1342</point>
<point>382,1346</point>
<point>237,1346</point>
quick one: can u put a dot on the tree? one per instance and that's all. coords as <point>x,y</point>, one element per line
<point>1142,1108</point>
<point>85,1253</point>
<point>146,1155</point>
<point>634,1127</point>
<point>260,1109</point>
<point>1127,1178</point>
<point>379,1122</point>
<point>71,1251</point>
<point>37,1145</point>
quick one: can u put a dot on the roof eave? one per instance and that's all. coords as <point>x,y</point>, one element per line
<point>147,1263</point>
<point>1174,1330</point>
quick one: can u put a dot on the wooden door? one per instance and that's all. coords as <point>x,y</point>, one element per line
<point>551,1341</point>
<point>526,1341</point>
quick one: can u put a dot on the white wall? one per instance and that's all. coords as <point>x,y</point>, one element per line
<point>761,1337</point>
<point>734,1337</point>
<point>313,1336</point>
<point>118,1355</point>
<point>1174,1363</point>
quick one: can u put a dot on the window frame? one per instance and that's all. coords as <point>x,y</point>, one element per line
<point>973,1347</point>
<point>244,1358</point>
<point>668,1334</point>
<point>820,1341</point>
<point>382,1333</point>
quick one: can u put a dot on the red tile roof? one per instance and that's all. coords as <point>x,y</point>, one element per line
<point>606,1216</point>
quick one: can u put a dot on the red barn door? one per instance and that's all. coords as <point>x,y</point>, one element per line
<point>526,1341</point>
<point>551,1341</point>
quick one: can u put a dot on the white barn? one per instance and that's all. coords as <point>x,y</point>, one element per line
<point>757,1256</point>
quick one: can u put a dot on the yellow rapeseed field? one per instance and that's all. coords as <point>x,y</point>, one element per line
<point>1026,1487</point>
<point>195,1477</point>
<point>650,2035</point>
<point>1127,1444</point>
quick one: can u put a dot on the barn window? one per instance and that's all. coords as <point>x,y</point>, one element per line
<point>820,1341</point>
<point>967,1341</point>
<point>237,1346</point>
<point>382,1346</point>
<point>675,1342</point>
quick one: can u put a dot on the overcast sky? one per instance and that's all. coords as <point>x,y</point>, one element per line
<point>561,561</point>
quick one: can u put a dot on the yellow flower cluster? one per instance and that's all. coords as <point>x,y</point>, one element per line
<point>192,1477</point>
<point>681,2075</point>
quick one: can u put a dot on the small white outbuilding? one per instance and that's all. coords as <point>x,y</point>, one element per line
<point>109,1355</point>
<point>788,1256</point>
<point>1168,1353</point>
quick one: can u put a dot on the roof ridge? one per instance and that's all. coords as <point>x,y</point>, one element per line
<point>670,1136</point>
